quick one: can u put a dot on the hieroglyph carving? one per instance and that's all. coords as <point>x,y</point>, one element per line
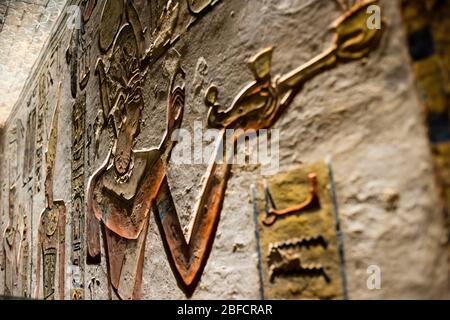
<point>299,251</point>
<point>52,223</point>
<point>9,246</point>
<point>77,199</point>
<point>131,182</point>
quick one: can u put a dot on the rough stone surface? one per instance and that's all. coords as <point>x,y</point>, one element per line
<point>24,29</point>
<point>364,115</point>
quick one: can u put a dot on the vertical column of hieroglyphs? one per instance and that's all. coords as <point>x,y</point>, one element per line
<point>77,196</point>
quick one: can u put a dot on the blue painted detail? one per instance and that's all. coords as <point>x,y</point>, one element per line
<point>421,44</point>
<point>438,127</point>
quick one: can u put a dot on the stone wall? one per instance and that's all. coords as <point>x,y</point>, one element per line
<point>362,114</point>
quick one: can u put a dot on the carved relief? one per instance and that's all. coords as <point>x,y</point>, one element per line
<point>23,254</point>
<point>87,7</point>
<point>197,6</point>
<point>130,182</point>
<point>51,232</point>
<point>299,252</point>
<point>72,60</point>
<point>9,246</point>
<point>84,64</point>
<point>77,203</point>
<point>40,128</point>
<point>15,147</point>
<point>28,154</point>
<point>110,22</point>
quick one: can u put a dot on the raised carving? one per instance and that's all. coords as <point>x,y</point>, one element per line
<point>40,128</point>
<point>9,246</point>
<point>84,64</point>
<point>299,253</point>
<point>260,103</point>
<point>52,223</point>
<point>28,155</point>
<point>197,6</point>
<point>311,202</point>
<point>23,254</point>
<point>87,7</point>
<point>110,22</point>
<point>15,147</point>
<point>130,182</point>
<point>77,203</point>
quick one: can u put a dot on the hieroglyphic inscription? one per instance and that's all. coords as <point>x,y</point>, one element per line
<point>23,254</point>
<point>15,148</point>
<point>72,60</point>
<point>111,20</point>
<point>52,223</point>
<point>9,246</point>
<point>77,203</point>
<point>40,130</point>
<point>84,63</point>
<point>298,251</point>
<point>130,182</point>
<point>28,156</point>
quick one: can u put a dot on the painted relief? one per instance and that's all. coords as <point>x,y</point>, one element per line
<point>87,7</point>
<point>427,28</point>
<point>197,6</point>
<point>9,246</point>
<point>84,63</point>
<point>28,155</point>
<point>131,182</point>
<point>77,200</point>
<point>15,149</point>
<point>296,224</point>
<point>72,61</point>
<point>51,230</point>
<point>23,254</point>
<point>40,129</point>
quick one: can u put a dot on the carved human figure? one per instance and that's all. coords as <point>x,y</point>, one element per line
<point>9,247</point>
<point>130,183</point>
<point>121,190</point>
<point>52,223</point>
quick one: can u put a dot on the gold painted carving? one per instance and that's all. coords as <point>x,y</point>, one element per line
<point>261,102</point>
<point>299,253</point>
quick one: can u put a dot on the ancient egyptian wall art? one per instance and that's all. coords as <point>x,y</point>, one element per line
<point>296,227</point>
<point>84,64</point>
<point>87,7</point>
<point>427,28</point>
<point>131,182</point>
<point>40,130</point>
<point>15,148</point>
<point>197,6</point>
<point>72,60</point>
<point>23,254</point>
<point>28,155</point>
<point>51,230</point>
<point>77,199</point>
<point>9,246</point>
